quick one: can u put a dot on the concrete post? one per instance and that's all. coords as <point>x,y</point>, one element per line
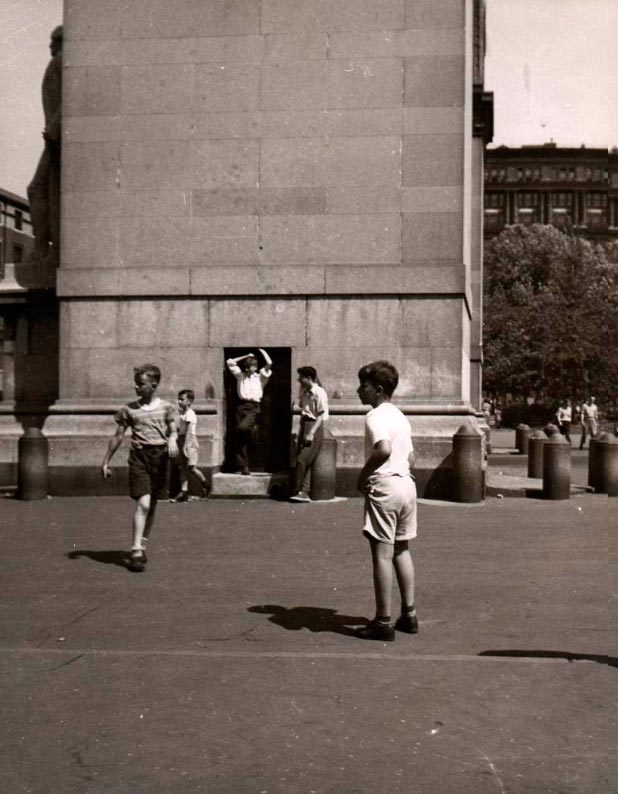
<point>556,468</point>
<point>551,430</point>
<point>324,469</point>
<point>592,464</point>
<point>522,433</point>
<point>536,444</point>
<point>468,464</point>
<point>32,458</point>
<point>607,465</point>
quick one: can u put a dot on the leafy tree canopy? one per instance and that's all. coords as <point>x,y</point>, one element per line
<point>550,323</point>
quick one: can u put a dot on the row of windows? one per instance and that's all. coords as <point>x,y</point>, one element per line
<point>546,173</point>
<point>535,199</point>
<point>13,218</point>
<point>495,220</point>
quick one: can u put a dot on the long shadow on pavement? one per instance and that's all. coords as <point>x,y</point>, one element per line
<point>311,618</point>
<point>111,557</point>
<point>611,661</point>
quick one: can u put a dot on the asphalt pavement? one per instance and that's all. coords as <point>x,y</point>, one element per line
<point>230,665</point>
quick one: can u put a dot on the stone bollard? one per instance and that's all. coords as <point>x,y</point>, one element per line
<point>592,463</point>
<point>32,458</point>
<point>468,464</point>
<point>551,430</point>
<point>536,444</point>
<point>607,465</point>
<point>556,468</point>
<point>324,469</point>
<point>522,433</point>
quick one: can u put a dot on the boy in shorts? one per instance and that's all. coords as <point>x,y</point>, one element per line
<point>153,439</point>
<point>390,500</point>
<point>188,446</point>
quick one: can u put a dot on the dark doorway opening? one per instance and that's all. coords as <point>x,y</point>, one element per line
<point>271,450</point>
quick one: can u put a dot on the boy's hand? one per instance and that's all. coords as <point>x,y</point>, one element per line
<point>106,471</point>
<point>362,485</point>
<point>172,447</point>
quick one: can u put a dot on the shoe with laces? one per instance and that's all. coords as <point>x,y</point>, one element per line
<point>407,624</point>
<point>376,631</point>
<point>183,496</point>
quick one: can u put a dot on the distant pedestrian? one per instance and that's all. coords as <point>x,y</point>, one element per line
<point>589,420</point>
<point>313,402</point>
<point>250,388</point>
<point>564,417</point>
<point>390,500</point>
<point>188,446</point>
<point>153,438</point>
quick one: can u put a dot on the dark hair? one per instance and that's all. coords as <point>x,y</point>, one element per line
<point>308,372</point>
<point>246,363</point>
<point>151,371</point>
<point>188,393</point>
<point>380,373</point>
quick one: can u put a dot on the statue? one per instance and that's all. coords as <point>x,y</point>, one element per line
<point>44,189</point>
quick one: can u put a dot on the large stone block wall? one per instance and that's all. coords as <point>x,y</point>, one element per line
<point>286,173</point>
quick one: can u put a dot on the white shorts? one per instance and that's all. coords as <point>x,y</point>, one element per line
<point>390,509</point>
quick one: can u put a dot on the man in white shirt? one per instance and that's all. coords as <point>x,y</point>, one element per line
<point>250,387</point>
<point>313,402</point>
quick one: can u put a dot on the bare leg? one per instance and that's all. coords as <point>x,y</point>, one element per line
<point>142,519</point>
<point>404,569</point>
<point>197,473</point>
<point>382,556</point>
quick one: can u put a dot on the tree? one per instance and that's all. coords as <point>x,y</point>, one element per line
<point>550,315</point>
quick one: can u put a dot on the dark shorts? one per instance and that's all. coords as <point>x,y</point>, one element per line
<point>148,472</point>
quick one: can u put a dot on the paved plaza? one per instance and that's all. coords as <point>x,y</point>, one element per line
<point>230,666</point>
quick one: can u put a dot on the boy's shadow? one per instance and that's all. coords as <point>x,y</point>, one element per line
<point>111,557</point>
<point>312,618</point>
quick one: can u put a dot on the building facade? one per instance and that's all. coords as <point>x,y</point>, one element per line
<point>303,177</point>
<point>16,238</point>
<point>574,189</point>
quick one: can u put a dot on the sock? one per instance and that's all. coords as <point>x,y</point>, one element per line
<point>383,620</point>
<point>408,611</point>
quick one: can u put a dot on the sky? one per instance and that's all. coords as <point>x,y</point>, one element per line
<point>549,64</point>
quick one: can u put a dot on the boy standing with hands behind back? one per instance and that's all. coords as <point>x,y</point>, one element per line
<point>390,500</point>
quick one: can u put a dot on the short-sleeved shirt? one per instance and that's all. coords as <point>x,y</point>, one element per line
<point>313,403</point>
<point>387,423</point>
<point>187,423</point>
<point>250,386</point>
<point>149,423</point>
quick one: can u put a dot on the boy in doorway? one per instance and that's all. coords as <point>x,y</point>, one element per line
<point>153,438</point>
<point>390,500</point>
<point>250,389</point>
<point>188,446</point>
<point>313,402</point>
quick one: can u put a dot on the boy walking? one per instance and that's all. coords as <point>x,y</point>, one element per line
<point>153,438</point>
<point>250,389</point>
<point>188,446</point>
<point>313,402</point>
<point>390,500</point>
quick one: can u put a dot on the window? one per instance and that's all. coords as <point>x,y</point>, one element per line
<point>18,254</point>
<point>18,220</point>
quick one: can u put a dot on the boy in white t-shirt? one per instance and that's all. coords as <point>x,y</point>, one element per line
<point>390,500</point>
<point>188,446</point>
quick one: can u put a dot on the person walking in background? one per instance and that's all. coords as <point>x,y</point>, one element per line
<point>390,500</point>
<point>589,419</point>
<point>564,417</point>
<point>313,402</point>
<point>153,438</point>
<point>250,388</point>
<point>188,446</point>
